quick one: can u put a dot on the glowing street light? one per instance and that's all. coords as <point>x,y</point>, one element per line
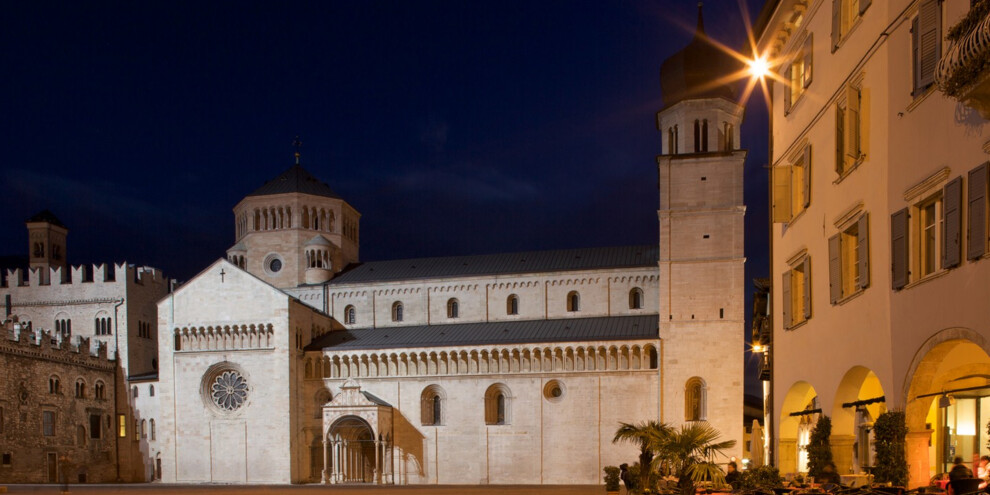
<point>759,67</point>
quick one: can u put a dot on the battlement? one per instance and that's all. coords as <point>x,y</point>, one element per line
<point>23,339</point>
<point>101,274</point>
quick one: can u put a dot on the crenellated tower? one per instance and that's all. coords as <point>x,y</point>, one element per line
<point>46,241</point>
<point>294,230</point>
<point>701,239</point>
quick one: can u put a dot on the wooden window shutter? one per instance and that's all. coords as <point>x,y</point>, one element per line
<point>915,59</point>
<point>840,139</point>
<point>863,251</point>
<point>782,194</point>
<point>852,123</point>
<point>808,59</point>
<point>929,43</point>
<point>977,198</point>
<point>863,5</point>
<point>899,249</point>
<point>787,89</point>
<point>785,290</point>
<point>836,23</point>
<point>807,288</point>
<point>952,218</point>
<point>807,176</point>
<point>834,269</point>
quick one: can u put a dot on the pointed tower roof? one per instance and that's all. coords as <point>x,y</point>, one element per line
<point>693,71</point>
<point>48,217</point>
<point>295,180</point>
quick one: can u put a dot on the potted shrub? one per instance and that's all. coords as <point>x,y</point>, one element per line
<point>890,431</point>
<point>611,480</point>
<point>819,448</point>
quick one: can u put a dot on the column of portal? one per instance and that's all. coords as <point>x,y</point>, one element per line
<point>326,460</point>
<point>377,471</point>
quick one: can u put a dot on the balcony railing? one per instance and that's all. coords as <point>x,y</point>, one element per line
<point>964,71</point>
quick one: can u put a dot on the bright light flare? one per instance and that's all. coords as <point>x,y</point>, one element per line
<point>759,67</point>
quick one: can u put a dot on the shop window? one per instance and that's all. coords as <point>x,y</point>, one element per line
<point>796,289</point>
<point>849,260</point>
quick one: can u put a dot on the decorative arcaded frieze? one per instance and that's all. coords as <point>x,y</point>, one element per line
<point>224,337</point>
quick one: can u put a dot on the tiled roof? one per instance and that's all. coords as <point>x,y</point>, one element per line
<point>46,216</point>
<point>487,333</point>
<point>502,263</point>
<point>295,180</point>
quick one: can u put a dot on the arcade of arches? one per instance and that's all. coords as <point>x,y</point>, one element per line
<point>947,410</point>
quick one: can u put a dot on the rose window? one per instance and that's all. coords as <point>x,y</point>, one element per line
<point>229,390</point>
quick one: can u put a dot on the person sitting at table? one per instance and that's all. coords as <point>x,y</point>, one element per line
<point>732,474</point>
<point>829,475</point>
<point>959,470</point>
<point>983,472</point>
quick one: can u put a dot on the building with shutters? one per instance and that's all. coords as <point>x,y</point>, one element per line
<point>879,237</point>
<point>291,361</point>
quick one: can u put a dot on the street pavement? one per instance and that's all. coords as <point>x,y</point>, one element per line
<point>163,489</point>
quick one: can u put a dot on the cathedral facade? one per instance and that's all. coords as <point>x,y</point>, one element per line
<point>291,361</point>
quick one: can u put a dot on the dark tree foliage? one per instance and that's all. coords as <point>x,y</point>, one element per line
<point>819,448</point>
<point>890,431</point>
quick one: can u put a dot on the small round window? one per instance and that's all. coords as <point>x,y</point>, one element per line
<point>553,391</point>
<point>273,264</point>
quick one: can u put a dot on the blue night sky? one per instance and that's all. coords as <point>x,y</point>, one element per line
<point>453,127</point>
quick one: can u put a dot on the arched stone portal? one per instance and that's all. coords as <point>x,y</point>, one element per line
<point>797,416</point>
<point>948,402</point>
<point>352,451</point>
<point>858,402</point>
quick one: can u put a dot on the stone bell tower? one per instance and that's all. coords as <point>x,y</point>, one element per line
<point>46,242</point>
<point>701,240</point>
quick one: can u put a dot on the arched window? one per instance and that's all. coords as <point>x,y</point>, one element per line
<point>670,140</point>
<point>397,311</point>
<point>573,301</point>
<point>54,385</point>
<point>652,354</point>
<point>636,298</point>
<point>350,315</point>
<point>151,391</point>
<point>177,342</point>
<point>80,389</point>
<point>452,308</point>
<point>697,135</point>
<point>135,391</point>
<point>100,390</point>
<point>498,402</point>
<point>704,135</point>
<point>321,399</point>
<point>695,400</point>
<point>676,141</point>
<point>144,429</point>
<point>432,406</point>
<point>512,305</point>
<point>151,423</point>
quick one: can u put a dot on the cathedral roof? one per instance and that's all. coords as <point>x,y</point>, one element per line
<point>48,217</point>
<point>295,180</point>
<point>486,333</point>
<point>502,263</point>
<point>318,240</point>
<point>693,71</point>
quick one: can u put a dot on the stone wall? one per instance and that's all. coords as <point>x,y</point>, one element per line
<point>76,389</point>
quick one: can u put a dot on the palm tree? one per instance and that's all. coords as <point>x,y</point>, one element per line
<point>647,435</point>
<point>690,451</point>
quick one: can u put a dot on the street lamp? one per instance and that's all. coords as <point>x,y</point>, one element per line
<point>759,67</point>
